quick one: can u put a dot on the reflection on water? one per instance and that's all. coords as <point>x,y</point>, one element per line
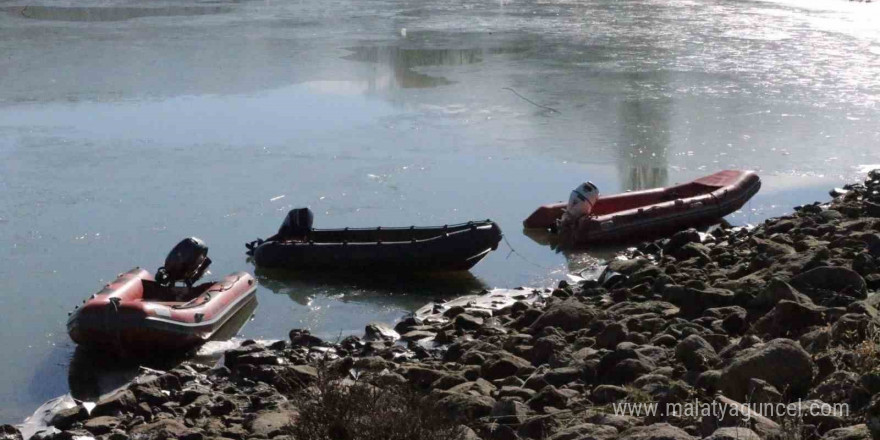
<point>399,291</point>
<point>92,374</point>
<point>578,258</point>
<point>96,13</point>
<point>644,141</point>
<point>402,62</point>
<point>333,305</point>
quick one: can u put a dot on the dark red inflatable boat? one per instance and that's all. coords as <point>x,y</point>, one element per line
<point>136,314</point>
<point>655,211</point>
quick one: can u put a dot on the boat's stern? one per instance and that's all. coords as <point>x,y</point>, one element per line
<point>544,217</point>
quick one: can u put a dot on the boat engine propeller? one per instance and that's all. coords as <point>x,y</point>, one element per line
<point>187,262</point>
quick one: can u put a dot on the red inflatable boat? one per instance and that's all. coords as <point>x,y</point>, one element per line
<point>655,211</point>
<point>135,314</point>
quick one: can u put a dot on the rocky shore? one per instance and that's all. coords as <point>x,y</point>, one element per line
<point>777,326</point>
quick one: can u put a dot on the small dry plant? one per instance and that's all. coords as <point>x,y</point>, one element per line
<point>344,409</point>
<point>867,351</point>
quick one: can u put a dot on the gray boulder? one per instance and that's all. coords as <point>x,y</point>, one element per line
<point>269,423</point>
<point>466,407</point>
<point>872,417</point>
<point>836,279</point>
<point>378,331</point>
<point>465,321</point>
<point>851,328</point>
<point>778,290</point>
<point>165,429</point>
<point>657,431</point>
<point>692,250</point>
<point>603,394</point>
<point>733,433</point>
<point>760,391</point>
<point>696,353</point>
<point>790,319</point>
<point>693,302</point>
<point>101,425</point>
<point>855,432</point>
<point>585,431</point>
<point>9,432</point>
<point>118,402</point>
<point>772,248</point>
<point>568,315</point>
<point>822,415</point>
<point>737,415</point>
<point>503,365</point>
<point>680,239</point>
<point>837,388</point>
<point>563,375</point>
<point>509,412</point>
<point>549,396</point>
<point>780,362</point>
<point>628,267</point>
<point>611,335</point>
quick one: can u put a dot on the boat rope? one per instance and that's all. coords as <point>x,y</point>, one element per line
<point>521,256</point>
<point>530,101</point>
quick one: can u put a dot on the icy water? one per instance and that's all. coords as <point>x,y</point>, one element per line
<point>125,126</point>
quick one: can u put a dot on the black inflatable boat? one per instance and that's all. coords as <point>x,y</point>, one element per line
<point>409,249</point>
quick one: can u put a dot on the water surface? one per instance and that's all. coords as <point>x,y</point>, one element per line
<point>125,127</point>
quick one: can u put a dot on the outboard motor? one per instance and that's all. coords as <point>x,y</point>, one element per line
<point>580,203</point>
<point>297,224</point>
<point>186,262</point>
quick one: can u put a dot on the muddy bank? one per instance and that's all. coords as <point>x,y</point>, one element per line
<point>783,315</point>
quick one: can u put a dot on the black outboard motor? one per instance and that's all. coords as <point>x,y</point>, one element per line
<point>297,224</point>
<point>187,262</point>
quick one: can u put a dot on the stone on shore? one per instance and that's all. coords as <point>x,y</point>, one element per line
<point>585,431</point>
<point>837,279</point>
<point>733,433</point>
<point>378,331</point>
<point>657,431</point>
<point>855,432</point>
<point>780,362</point>
<point>9,432</point>
<point>568,315</point>
<point>696,354</point>
<point>165,429</point>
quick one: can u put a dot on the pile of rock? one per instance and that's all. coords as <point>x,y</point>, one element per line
<point>780,314</point>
